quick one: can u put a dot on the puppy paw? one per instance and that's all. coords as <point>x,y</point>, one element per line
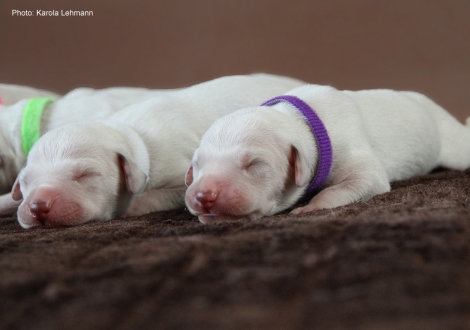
<point>304,209</point>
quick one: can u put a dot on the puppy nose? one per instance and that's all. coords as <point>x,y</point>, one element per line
<point>40,210</point>
<point>206,197</point>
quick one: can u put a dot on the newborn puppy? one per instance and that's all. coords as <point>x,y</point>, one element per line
<point>134,162</point>
<point>79,105</point>
<point>10,94</point>
<point>259,161</point>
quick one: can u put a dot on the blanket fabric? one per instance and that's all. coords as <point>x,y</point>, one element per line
<point>399,261</point>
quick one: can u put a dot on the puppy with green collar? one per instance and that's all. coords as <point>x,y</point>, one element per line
<point>23,122</point>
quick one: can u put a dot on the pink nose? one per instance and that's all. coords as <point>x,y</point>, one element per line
<point>39,210</point>
<point>206,197</point>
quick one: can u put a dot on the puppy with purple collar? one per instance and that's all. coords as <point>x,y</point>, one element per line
<point>340,147</point>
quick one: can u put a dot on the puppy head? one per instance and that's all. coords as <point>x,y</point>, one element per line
<point>74,174</point>
<point>245,168</point>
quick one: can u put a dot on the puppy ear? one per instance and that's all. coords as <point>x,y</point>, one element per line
<point>189,175</point>
<point>136,179</point>
<point>302,173</point>
<point>16,190</point>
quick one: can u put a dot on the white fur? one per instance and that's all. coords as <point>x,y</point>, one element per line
<point>259,161</point>
<point>134,162</point>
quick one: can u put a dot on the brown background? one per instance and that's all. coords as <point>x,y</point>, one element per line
<point>399,261</point>
<point>420,45</point>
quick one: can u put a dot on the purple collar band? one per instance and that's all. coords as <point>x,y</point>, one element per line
<point>325,151</point>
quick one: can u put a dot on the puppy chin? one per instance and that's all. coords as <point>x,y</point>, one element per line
<point>71,216</point>
<point>206,217</point>
<point>212,217</point>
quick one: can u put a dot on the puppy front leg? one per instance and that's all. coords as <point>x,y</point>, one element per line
<point>156,200</point>
<point>355,187</point>
<point>8,206</point>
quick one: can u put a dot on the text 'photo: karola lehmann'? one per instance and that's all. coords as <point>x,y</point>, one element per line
<point>50,13</point>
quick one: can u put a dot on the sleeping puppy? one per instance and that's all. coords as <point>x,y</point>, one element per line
<point>79,105</point>
<point>135,161</point>
<point>10,94</point>
<point>260,161</point>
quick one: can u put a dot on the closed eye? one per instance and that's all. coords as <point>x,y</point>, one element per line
<point>85,175</point>
<point>254,165</point>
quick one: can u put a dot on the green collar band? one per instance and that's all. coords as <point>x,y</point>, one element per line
<point>31,122</point>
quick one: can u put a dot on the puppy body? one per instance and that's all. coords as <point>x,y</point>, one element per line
<point>259,161</point>
<point>134,162</point>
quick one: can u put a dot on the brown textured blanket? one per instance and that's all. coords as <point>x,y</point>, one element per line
<point>399,261</point>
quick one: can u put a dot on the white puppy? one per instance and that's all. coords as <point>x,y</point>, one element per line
<point>260,161</point>
<point>79,105</point>
<point>10,94</point>
<point>134,162</point>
